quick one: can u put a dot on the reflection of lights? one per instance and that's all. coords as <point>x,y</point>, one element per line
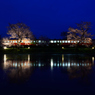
<point>57,64</point>
<point>25,64</point>
<point>62,58</point>
<point>34,64</point>
<point>74,64</point>
<point>16,64</point>
<point>51,63</point>
<point>39,64</point>
<point>5,58</point>
<point>93,60</point>
<point>28,57</point>
<point>77,64</point>
<point>13,64</point>
<point>63,64</point>
<point>21,64</point>
<point>54,64</point>
<point>68,64</point>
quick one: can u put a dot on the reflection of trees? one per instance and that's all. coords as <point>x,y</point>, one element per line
<point>19,68</point>
<point>19,75</point>
<point>82,73</point>
<point>81,70</point>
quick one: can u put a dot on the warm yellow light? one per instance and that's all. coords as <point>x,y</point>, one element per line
<point>28,47</point>
<point>92,47</point>
<point>93,60</point>
<point>28,58</point>
<point>62,58</point>
<point>5,58</point>
<point>62,47</point>
<point>5,47</point>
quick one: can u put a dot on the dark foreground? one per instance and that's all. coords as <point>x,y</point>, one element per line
<point>49,50</point>
<point>47,74</point>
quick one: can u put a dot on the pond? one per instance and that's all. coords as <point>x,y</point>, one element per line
<point>47,74</point>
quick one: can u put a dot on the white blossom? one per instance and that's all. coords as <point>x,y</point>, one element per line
<point>19,31</point>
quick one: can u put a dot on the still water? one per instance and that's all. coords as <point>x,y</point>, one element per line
<point>47,74</point>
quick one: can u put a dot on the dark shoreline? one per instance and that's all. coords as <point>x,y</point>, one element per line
<point>48,50</point>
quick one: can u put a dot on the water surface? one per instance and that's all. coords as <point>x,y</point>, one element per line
<point>47,74</point>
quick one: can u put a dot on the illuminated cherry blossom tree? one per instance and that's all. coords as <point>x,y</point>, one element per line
<point>81,33</point>
<point>19,31</point>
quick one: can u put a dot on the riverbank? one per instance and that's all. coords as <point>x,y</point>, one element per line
<point>57,50</point>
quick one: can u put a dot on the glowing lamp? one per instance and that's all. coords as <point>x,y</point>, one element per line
<point>5,47</point>
<point>92,47</point>
<point>28,47</point>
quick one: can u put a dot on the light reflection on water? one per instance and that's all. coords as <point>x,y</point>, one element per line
<point>49,70</point>
<point>27,63</point>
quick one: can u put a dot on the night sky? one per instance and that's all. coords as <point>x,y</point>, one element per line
<point>46,17</point>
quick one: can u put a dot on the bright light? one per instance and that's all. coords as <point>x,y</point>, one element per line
<point>51,41</point>
<point>63,64</point>
<point>62,41</point>
<point>28,47</point>
<point>51,63</point>
<point>68,64</point>
<point>5,58</point>
<point>5,47</point>
<point>78,41</point>
<point>92,47</point>
<point>65,41</point>
<point>62,47</point>
<point>39,64</point>
<point>39,41</point>
<point>93,60</point>
<point>68,41</point>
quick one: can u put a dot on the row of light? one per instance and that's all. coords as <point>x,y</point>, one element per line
<point>63,64</point>
<point>52,41</point>
<point>23,41</point>
<point>65,41</point>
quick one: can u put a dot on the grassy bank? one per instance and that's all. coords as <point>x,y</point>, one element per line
<point>47,50</point>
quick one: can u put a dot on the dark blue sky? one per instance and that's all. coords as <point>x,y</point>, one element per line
<point>46,17</point>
